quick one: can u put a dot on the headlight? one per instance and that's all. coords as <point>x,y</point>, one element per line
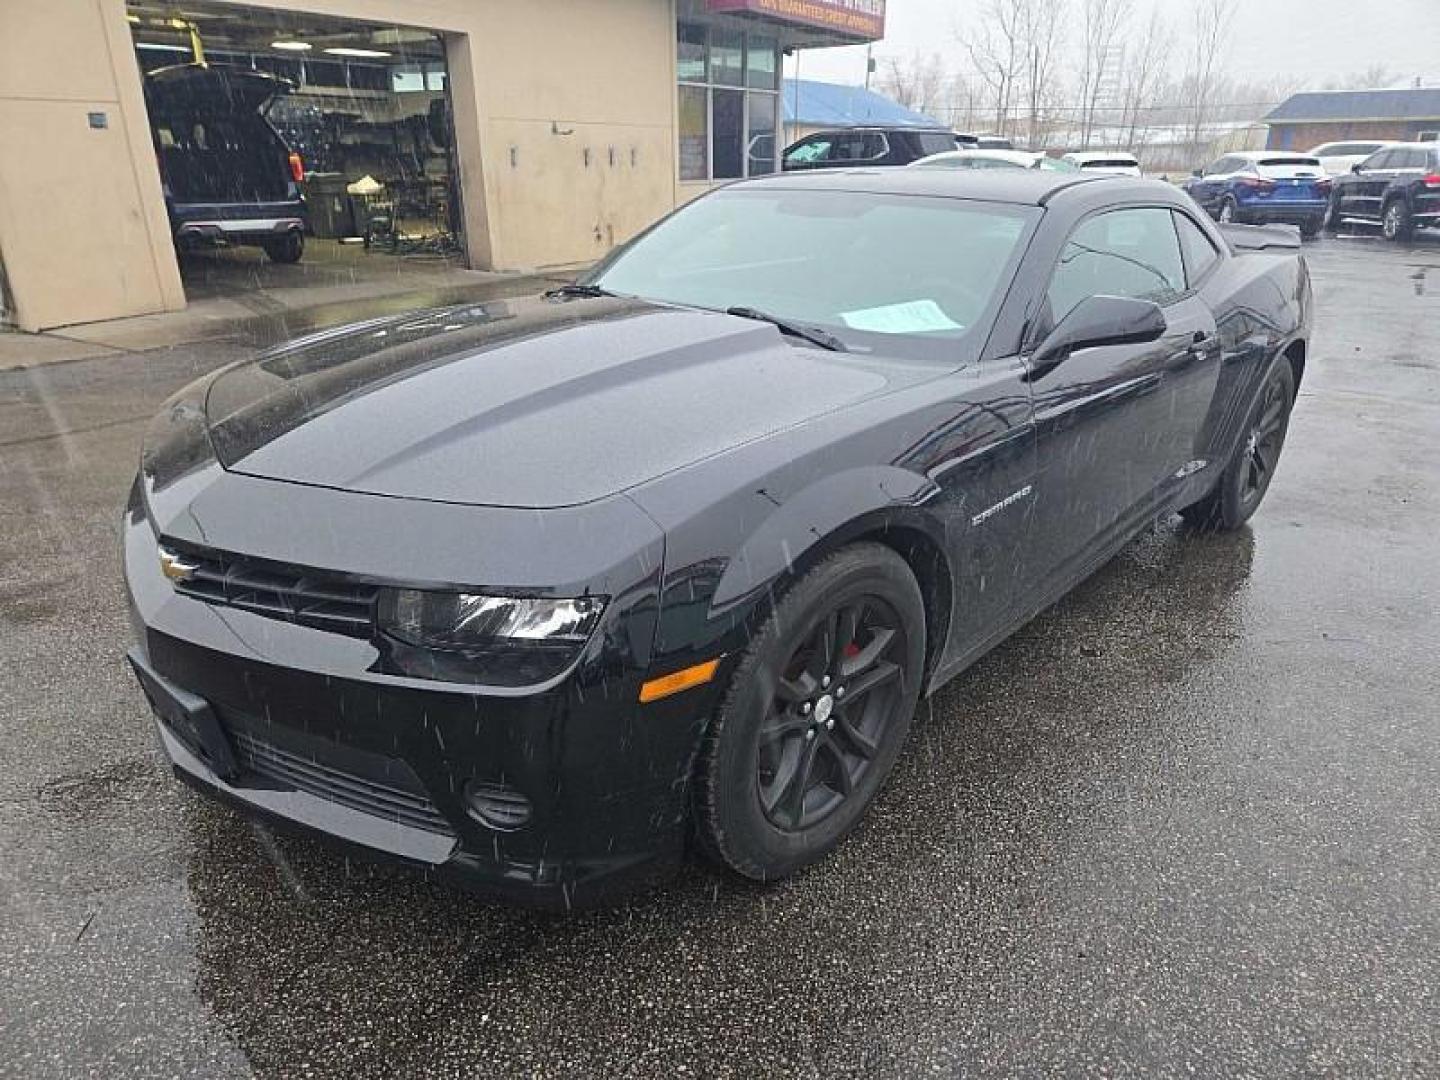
<point>468,622</point>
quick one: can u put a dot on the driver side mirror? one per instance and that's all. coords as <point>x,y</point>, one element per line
<point>1197,172</point>
<point>1358,167</point>
<point>1098,320</point>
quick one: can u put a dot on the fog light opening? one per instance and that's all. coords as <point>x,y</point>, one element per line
<point>497,806</point>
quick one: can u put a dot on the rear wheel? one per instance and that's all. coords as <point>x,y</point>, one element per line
<point>1310,228</point>
<point>815,716</point>
<point>287,248</point>
<point>1396,222</point>
<point>1332,215</point>
<point>1241,487</point>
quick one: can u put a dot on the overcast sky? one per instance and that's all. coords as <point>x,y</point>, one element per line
<point>1309,40</point>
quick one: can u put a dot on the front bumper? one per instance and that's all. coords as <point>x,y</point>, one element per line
<point>324,741</point>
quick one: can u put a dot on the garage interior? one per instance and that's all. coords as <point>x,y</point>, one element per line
<point>368,115</point>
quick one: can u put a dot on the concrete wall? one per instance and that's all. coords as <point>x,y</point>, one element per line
<point>83,233</point>
<point>564,118</point>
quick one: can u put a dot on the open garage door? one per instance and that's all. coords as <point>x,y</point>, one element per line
<point>299,151</point>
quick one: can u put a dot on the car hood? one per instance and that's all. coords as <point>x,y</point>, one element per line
<point>532,403</point>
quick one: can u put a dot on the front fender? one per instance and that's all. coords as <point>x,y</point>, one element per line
<point>824,515</point>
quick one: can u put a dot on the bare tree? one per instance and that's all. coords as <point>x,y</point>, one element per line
<point>1212,21</point>
<point>917,82</point>
<point>1373,77</point>
<point>1042,24</point>
<point>1103,20</point>
<point>996,46</point>
<point>1144,62</point>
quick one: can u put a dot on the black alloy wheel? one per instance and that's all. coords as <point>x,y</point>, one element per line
<point>1395,221</point>
<point>1228,209</point>
<point>815,716</point>
<point>826,721</point>
<point>1242,486</point>
<point>1260,453</point>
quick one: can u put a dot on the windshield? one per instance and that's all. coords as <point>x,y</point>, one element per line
<point>858,264</point>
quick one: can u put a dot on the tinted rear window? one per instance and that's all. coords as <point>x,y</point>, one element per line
<point>935,142</point>
<point>1110,163</point>
<point>1270,162</point>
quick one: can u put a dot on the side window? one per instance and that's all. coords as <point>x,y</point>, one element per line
<point>1200,254</point>
<point>1118,253</point>
<point>1218,168</point>
<point>1412,159</point>
<point>861,146</point>
<point>1381,160</point>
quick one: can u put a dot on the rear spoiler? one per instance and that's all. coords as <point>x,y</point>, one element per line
<point>1262,237</point>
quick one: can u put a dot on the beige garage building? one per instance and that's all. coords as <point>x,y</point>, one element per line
<point>567,125</point>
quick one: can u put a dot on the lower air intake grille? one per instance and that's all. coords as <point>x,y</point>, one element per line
<point>385,800</point>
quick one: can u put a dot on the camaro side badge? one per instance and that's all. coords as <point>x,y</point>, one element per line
<point>1009,500</point>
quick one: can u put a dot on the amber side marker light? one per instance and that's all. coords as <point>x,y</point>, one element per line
<point>666,685</point>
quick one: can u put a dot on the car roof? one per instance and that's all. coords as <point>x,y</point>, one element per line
<point>878,127</point>
<point>1432,146</point>
<point>993,153</point>
<point>1256,155</point>
<point>1026,187</point>
<point>1102,155</point>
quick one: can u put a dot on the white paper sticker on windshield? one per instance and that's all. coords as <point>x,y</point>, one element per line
<point>911,317</point>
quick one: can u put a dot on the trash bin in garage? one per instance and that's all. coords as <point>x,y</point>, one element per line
<point>332,212</point>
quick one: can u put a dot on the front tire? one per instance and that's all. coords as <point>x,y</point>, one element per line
<point>1396,222</point>
<point>1228,210</point>
<point>815,716</point>
<point>1241,487</point>
<point>1311,228</point>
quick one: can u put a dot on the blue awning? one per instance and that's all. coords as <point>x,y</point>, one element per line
<point>821,104</point>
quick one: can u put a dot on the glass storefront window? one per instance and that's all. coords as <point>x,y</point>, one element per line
<point>728,111</point>
<point>726,133</point>
<point>727,57</point>
<point>694,133</point>
<point>690,54</point>
<point>760,66</point>
<point>761,135</point>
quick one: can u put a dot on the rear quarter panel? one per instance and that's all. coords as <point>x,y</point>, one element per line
<point>1263,307</point>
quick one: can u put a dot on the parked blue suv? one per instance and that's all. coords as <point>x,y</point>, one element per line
<point>1263,186</point>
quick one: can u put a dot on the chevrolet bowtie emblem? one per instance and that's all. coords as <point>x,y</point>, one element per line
<point>175,566</point>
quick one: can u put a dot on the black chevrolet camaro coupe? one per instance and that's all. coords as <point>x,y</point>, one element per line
<point>531,593</point>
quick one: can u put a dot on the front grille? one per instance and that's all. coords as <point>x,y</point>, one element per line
<point>326,603</point>
<point>407,805</point>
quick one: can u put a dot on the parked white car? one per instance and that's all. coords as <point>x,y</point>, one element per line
<point>1105,162</point>
<point>1336,158</point>
<point>991,159</point>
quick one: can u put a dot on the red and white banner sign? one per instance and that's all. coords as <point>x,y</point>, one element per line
<point>862,20</point>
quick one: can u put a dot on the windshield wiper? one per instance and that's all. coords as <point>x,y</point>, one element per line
<point>575,290</point>
<point>812,334</point>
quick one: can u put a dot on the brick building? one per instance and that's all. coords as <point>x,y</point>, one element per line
<point>1306,120</point>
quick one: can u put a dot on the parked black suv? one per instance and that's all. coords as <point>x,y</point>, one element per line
<point>845,148</point>
<point>1397,187</point>
<point>228,176</point>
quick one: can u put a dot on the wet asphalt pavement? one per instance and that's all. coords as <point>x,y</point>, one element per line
<point>1186,822</point>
